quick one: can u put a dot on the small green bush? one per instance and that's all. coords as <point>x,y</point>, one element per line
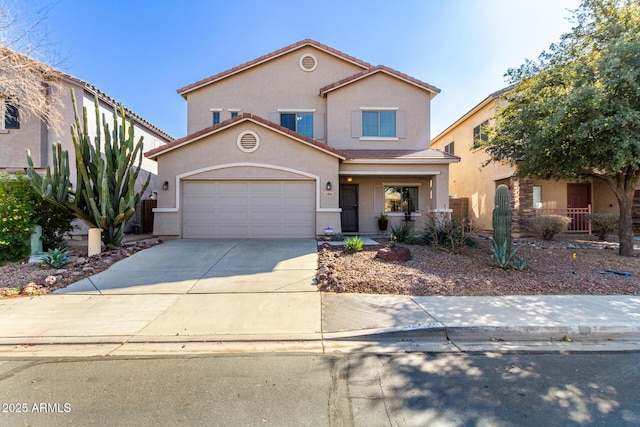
<point>55,222</point>
<point>353,244</point>
<point>16,225</point>
<point>56,258</point>
<point>547,226</point>
<point>603,224</point>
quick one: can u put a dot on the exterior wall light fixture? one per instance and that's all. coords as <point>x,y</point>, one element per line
<point>328,186</point>
<point>165,185</point>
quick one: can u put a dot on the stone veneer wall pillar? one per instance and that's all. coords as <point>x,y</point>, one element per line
<point>521,203</point>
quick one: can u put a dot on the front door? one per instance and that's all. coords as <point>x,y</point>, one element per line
<point>578,196</point>
<point>349,205</point>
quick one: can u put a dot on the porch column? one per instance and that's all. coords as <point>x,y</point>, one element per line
<point>522,203</point>
<point>440,191</point>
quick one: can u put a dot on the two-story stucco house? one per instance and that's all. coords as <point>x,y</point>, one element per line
<point>18,134</point>
<point>297,141</point>
<point>475,181</point>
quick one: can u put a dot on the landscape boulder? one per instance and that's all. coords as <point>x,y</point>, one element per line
<point>394,254</point>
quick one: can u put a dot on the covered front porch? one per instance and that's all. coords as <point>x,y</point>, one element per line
<point>405,186</point>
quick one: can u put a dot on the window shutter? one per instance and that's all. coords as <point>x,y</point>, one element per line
<point>318,126</point>
<point>356,124</point>
<point>401,124</point>
<point>274,117</point>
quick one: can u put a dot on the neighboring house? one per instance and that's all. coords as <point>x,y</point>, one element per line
<point>474,183</point>
<point>297,141</point>
<point>17,135</point>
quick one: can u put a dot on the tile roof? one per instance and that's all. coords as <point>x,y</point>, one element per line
<point>113,103</point>
<point>240,118</point>
<point>399,155</point>
<point>379,69</point>
<point>307,42</point>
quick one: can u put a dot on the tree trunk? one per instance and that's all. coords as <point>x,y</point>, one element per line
<point>623,186</point>
<point>625,228</point>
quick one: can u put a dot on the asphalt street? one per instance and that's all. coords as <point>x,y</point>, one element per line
<point>414,389</point>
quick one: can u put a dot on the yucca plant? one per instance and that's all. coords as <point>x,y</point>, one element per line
<point>504,257</point>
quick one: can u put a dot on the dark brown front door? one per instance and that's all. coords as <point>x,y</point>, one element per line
<point>349,205</point>
<point>578,196</point>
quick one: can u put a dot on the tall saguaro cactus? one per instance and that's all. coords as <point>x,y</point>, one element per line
<point>104,196</point>
<point>502,218</point>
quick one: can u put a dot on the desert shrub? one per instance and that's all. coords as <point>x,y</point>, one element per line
<point>547,226</point>
<point>55,222</point>
<point>56,258</point>
<point>402,234</point>
<point>603,224</point>
<point>445,233</point>
<point>353,244</point>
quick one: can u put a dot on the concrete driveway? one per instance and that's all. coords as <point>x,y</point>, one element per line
<point>209,266</point>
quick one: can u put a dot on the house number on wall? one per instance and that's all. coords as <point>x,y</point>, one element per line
<point>328,194</point>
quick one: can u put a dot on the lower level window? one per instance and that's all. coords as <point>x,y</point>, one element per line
<point>298,122</point>
<point>400,199</point>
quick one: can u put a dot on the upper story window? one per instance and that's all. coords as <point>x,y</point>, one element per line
<point>216,117</point>
<point>480,132</point>
<point>298,122</point>
<point>234,114</point>
<point>379,123</point>
<point>11,115</point>
<point>450,148</point>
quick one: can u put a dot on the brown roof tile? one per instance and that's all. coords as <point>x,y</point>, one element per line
<point>240,118</point>
<point>307,42</point>
<point>378,69</point>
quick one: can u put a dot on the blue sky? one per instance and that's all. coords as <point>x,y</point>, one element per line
<point>141,52</point>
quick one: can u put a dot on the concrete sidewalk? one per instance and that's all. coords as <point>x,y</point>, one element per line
<point>198,296</point>
<point>127,325</point>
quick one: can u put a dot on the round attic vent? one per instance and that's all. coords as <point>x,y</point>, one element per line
<point>248,141</point>
<point>308,62</point>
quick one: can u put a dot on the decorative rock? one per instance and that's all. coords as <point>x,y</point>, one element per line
<point>28,289</point>
<point>398,253</point>
<point>50,280</point>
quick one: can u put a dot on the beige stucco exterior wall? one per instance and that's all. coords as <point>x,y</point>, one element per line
<point>469,178</point>
<point>379,91</point>
<point>371,200</point>
<point>278,84</point>
<point>217,156</point>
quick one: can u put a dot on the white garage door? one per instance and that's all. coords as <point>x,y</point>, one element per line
<point>255,209</point>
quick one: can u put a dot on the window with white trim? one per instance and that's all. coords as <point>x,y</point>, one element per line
<point>400,198</point>
<point>379,124</point>
<point>298,122</point>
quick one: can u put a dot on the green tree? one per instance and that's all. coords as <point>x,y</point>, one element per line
<point>575,113</point>
<point>107,169</point>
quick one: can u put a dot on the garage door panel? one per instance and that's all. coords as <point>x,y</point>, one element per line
<point>249,209</point>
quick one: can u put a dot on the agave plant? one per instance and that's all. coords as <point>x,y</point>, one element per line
<point>56,258</point>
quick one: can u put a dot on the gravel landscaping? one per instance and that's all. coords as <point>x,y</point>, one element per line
<point>25,279</point>
<point>568,266</point>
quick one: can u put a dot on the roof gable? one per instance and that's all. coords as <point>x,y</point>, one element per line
<point>380,69</point>
<point>268,57</point>
<point>153,154</point>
